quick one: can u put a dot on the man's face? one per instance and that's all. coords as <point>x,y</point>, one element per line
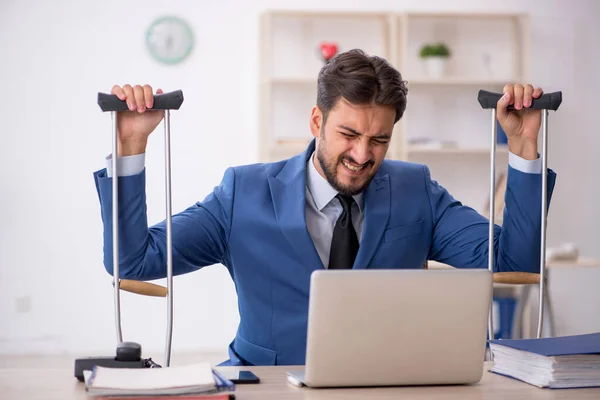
<point>352,143</point>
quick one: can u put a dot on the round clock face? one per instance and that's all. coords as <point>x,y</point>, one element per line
<point>169,40</point>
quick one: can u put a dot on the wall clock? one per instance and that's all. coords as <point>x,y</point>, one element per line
<point>169,40</point>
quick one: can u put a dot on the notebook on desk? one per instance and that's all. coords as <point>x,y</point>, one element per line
<point>195,379</point>
<point>556,363</point>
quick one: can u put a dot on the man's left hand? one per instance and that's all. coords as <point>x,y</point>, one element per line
<point>523,124</point>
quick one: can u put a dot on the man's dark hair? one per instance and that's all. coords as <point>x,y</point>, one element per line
<point>361,79</point>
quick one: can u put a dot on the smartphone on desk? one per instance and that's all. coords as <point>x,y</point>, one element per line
<point>240,377</point>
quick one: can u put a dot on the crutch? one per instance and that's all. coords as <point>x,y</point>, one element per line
<point>128,354</point>
<point>546,102</point>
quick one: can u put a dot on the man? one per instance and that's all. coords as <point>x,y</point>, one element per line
<point>339,204</point>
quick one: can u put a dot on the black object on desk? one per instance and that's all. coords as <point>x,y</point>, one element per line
<point>129,355</point>
<point>239,377</point>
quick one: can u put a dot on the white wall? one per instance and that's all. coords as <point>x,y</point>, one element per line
<point>55,295</point>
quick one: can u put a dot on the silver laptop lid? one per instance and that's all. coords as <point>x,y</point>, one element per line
<point>397,327</point>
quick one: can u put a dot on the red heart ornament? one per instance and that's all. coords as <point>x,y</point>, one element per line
<point>328,50</point>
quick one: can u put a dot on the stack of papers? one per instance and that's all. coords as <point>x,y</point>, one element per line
<point>558,363</point>
<point>180,380</point>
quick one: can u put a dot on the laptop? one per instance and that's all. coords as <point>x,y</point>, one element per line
<point>396,328</point>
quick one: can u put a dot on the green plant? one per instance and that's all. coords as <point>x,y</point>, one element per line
<point>434,50</point>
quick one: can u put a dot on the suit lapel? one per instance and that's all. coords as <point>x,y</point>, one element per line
<point>288,191</point>
<point>377,213</point>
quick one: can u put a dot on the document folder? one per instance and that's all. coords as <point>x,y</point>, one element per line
<point>558,362</point>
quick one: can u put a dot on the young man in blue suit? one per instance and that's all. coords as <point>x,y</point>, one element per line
<point>338,204</point>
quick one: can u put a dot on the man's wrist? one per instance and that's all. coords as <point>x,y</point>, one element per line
<point>132,148</point>
<point>523,149</point>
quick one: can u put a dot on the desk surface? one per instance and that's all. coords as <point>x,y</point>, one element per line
<point>49,378</point>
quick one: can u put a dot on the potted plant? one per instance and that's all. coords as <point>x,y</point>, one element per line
<point>435,57</point>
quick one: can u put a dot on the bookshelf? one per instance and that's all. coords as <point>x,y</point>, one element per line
<point>443,127</point>
<point>289,65</point>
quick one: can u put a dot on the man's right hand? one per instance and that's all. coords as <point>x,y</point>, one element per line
<point>134,126</point>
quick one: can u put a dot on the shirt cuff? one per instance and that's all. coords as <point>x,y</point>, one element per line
<point>523,165</point>
<point>127,165</point>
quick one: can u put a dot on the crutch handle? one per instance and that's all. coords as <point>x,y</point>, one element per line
<point>143,288</point>
<point>547,101</point>
<point>162,101</point>
<point>517,278</point>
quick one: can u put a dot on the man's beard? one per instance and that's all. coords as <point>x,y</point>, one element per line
<point>330,175</point>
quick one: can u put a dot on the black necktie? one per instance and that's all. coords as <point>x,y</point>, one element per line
<point>344,244</point>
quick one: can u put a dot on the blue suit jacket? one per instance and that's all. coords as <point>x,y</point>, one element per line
<point>253,223</point>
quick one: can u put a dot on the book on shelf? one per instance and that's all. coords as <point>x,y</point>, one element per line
<point>556,363</point>
<point>196,380</point>
<point>216,396</point>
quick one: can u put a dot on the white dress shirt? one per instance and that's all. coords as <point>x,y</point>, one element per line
<point>322,207</point>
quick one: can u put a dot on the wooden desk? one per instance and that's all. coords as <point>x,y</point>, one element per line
<point>51,378</point>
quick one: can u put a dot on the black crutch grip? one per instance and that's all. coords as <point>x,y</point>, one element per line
<point>547,101</point>
<point>163,101</point>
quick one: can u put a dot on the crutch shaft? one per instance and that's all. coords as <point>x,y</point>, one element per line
<point>544,209</point>
<point>115,226</point>
<point>491,247</point>
<point>167,124</point>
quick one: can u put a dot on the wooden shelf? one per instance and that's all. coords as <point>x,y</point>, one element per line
<point>310,14</point>
<point>455,150</point>
<point>449,81</point>
<point>457,81</point>
<point>579,262</point>
<point>458,15</point>
<point>293,80</point>
<point>286,148</point>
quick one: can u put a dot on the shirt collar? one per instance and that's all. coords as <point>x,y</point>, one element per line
<point>322,192</point>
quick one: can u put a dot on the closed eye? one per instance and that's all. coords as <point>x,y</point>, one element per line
<point>350,133</point>
<point>382,140</point>
<point>347,134</point>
